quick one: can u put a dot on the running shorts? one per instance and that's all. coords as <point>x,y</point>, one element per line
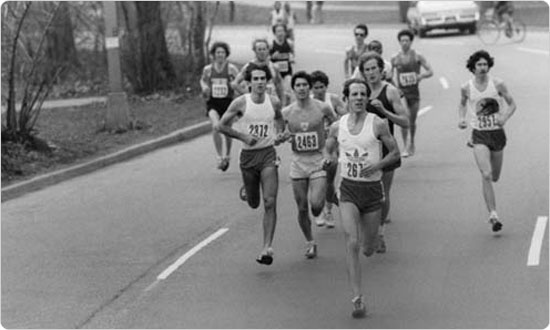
<point>411,95</point>
<point>367,196</point>
<point>220,105</point>
<point>307,166</point>
<point>495,140</point>
<point>256,160</point>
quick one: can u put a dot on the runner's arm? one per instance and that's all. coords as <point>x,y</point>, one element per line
<point>400,117</point>
<point>331,144</point>
<point>235,109</point>
<point>462,107</point>
<point>329,114</point>
<point>204,82</point>
<point>503,91</point>
<point>234,72</point>
<point>339,106</point>
<point>347,63</point>
<point>382,132</point>
<point>428,72</point>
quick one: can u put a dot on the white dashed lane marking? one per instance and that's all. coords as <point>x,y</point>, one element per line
<point>533,258</point>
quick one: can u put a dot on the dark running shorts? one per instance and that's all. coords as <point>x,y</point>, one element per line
<point>411,95</point>
<point>220,105</point>
<point>367,196</point>
<point>495,140</point>
<point>255,161</point>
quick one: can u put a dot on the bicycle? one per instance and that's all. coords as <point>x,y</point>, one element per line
<point>490,27</point>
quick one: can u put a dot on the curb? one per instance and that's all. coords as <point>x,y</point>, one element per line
<point>46,180</point>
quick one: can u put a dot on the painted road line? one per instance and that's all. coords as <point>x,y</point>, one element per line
<point>330,51</point>
<point>190,253</point>
<point>444,83</point>
<point>534,51</point>
<point>424,110</point>
<point>536,242</point>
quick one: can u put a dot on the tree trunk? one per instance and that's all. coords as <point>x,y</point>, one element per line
<point>199,28</point>
<point>60,45</point>
<point>146,60</point>
<point>231,11</point>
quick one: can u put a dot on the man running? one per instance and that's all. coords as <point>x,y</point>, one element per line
<point>353,52</point>
<point>385,99</point>
<point>282,56</point>
<point>319,83</point>
<point>359,136</point>
<point>261,52</point>
<point>260,115</point>
<point>217,84</point>
<point>484,95</point>
<point>374,46</point>
<point>305,119</point>
<point>406,65</point>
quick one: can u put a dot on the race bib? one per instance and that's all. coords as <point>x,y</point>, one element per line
<point>259,130</point>
<point>407,79</point>
<point>282,66</point>
<point>487,122</point>
<point>219,88</point>
<point>308,141</point>
<point>353,169</point>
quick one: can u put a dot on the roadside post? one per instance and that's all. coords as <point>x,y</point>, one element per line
<point>117,114</point>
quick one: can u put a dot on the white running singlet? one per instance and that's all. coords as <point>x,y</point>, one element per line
<point>259,121</point>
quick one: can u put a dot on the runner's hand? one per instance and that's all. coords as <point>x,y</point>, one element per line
<point>368,170</point>
<point>251,140</point>
<point>206,92</point>
<point>376,107</point>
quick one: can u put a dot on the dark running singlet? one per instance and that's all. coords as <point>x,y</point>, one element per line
<point>282,61</point>
<point>407,67</point>
<point>383,97</point>
<point>220,87</point>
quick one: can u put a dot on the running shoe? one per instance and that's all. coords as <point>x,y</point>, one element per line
<point>381,245</point>
<point>224,164</point>
<point>388,220</point>
<point>497,225</point>
<point>220,163</point>
<point>359,309</point>
<point>320,220</point>
<point>311,250</point>
<point>329,220</point>
<point>242,194</point>
<point>265,258</point>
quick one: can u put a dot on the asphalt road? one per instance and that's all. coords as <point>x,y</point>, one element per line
<point>100,251</point>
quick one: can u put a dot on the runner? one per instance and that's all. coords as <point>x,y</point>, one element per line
<point>319,82</point>
<point>217,83</point>
<point>375,46</point>
<point>406,66</point>
<point>274,86</point>
<point>386,101</point>
<point>282,56</point>
<point>277,15</point>
<point>305,119</point>
<point>291,20</point>
<point>260,115</point>
<point>359,136</point>
<point>353,52</point>
<point>484,95</point>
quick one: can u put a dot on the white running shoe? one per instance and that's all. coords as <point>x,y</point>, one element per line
<point>329,220</point>
<point>320,220</point>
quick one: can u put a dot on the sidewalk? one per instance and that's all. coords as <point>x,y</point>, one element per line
<point>50,104</point>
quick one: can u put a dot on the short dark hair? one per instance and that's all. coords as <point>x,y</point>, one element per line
<point>220,44</point>
<point>369,56</point>
<point>362,27</point>
<point>374,45</point>
<point>255,41</point>
<point>274,27</point>
<point>300,74</point>
<point>405,32</point>
<point>254,67</point>
<point>352,81</point>
<point>319,75</point>
<point>471,63</point>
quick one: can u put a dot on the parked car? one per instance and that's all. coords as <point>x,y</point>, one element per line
<point>423,16</point>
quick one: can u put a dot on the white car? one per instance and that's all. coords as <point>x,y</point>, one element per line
<point>423,16</point>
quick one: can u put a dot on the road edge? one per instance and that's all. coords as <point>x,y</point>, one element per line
<point>49,179</point>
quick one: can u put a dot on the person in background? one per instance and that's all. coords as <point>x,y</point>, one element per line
<point>353,52</point>
<point>291,20</point>
<point>218,88</point>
